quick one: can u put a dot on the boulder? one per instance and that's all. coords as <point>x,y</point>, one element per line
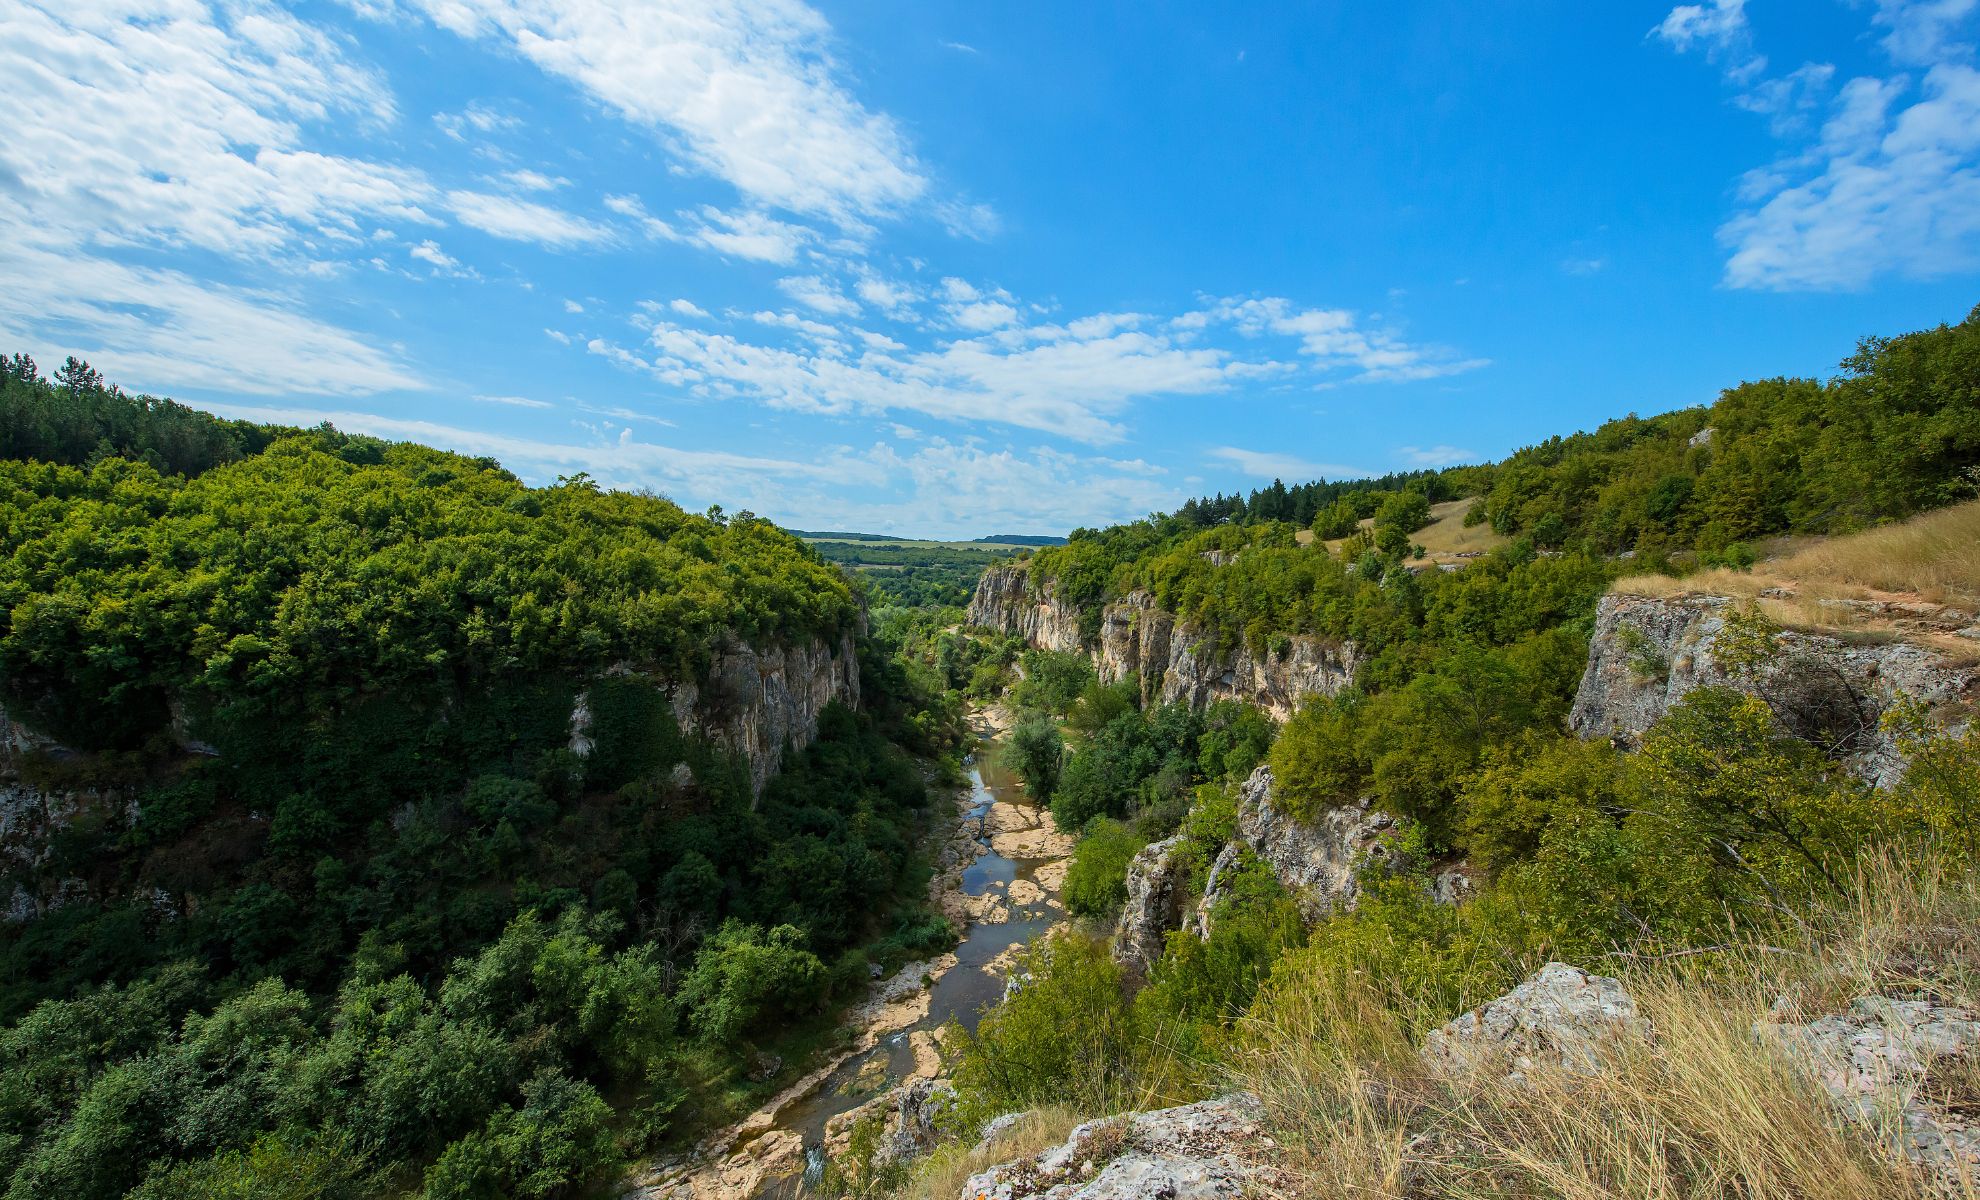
<point>1559,1018</point>
<point>1316,861</point>
<point>1211,1150</point>
<point>1877,1063</point>
<point>1155,886</point>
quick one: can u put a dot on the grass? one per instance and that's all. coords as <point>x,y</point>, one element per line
<point>1445,538</point>
<point>942,1176</point>
<point>1837,584</point>
<point>1704,1110</point>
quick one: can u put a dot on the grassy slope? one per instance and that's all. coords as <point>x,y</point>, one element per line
<point>1897,580</point>
<point>1444,539</point>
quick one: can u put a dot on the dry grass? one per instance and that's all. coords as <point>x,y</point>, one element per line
<point>942,1176</point>
<point>1934,558</point>
<point>1706,1110</point>
<point>1849,584</point>
<point>1445,538</point>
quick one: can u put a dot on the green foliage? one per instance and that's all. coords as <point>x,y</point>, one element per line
<point>1525,785</point>
<point>1096,880</point>
<point>1052,681</point>
<point>744,976</point>
<point>549,1147</point>
<point>78,419</point>
<point>1036,754</point>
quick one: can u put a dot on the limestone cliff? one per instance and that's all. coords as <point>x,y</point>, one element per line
<point>1648,653</point>
<point>754,702</point>
<point>1176,662</point>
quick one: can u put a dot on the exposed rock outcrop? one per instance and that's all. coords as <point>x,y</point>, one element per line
<point>1155,886</point>
<point>1648,653</point>
<point>1316,861</point>
<point>1211,1150</point>
<point>756,702</point>
<point>1175,662</point>
<point>1877,1062</point>
<point>1558,1018</point>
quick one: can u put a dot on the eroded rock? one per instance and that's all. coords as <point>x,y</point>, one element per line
<point>1900,1067</point>
<point>1560,1018</point>
<point>1316,861</point>
<point>1211,1150</point>
<point>1155,887</point>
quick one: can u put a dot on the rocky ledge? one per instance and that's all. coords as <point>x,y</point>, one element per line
<point>1647,653</point>
<point>1212,1150</point>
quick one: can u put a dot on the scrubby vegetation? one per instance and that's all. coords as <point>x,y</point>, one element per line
<point>1729,861</point>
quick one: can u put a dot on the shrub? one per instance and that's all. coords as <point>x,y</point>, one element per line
<point>1096,880</point>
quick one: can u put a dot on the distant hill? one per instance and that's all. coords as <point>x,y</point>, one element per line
<point>1024,539</point>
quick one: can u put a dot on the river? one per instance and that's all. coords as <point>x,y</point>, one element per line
<point>998,881</point>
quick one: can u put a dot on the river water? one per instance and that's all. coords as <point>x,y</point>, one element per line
<point>1002,816</point>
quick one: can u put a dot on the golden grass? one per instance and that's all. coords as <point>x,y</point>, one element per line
<point>1445,537</point>
<point>1706,1110</point>
<point>943,1174</point>
<point>1934,557</point>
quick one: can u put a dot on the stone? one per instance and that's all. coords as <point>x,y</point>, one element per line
<point>1559,1018</point>
<point>1316,861</point>
<point>1138,640</point>
<point>1876,1061</point>
<point>997,1129</point>
<point>1211,1150</point>
<point>1647,653</point>
<point>764,1067</point>
<point>1155,886</point>
<point>1214,886</point>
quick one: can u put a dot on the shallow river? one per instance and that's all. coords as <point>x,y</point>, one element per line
<point>998,806</point>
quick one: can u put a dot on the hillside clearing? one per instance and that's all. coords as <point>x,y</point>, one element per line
<point>1444,539</point>
<point>1919,580</point>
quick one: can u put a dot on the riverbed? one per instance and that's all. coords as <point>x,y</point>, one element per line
<point>998,879</point>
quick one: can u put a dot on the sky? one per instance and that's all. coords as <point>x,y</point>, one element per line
<point>953,269</point>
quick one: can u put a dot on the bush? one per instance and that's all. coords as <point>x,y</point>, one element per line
<point>1096,880</point>
<point>744,976</point>
<point>1036,754</point>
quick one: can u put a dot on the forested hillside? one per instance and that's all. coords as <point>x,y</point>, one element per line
<point>355,841</point>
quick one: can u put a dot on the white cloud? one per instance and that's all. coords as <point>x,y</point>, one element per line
<point>1436,456</point>
<point>558,336</point>
<point>1716,25</point>
<point>443,263</point>
<point>818,292</point>
<point>514,401</point>
<point>163,329</point>
<point>479,117</point>
<point>1261,464</point>
<point>984,315</point>
<point>1335,338</point>
<point>1584,266</point>
<point>745,91</point>
<point>1890,184</point>
<point>525,221</point>
<point>1921,32</point>
<point>751,235</point>
<point>535,181</point>
<point>688,308</point>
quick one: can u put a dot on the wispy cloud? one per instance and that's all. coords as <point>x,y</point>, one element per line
<point>1264,464</point>
<point>1888,184</point>
<point>525,220</point>
<point>1436,456</point>
<point>746,92</point>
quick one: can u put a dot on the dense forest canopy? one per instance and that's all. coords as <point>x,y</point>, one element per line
<point>341,905</point>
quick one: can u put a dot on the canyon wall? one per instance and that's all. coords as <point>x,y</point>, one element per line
<point>1175,661</point>
<point>754,702</point>
<point>1647,653</point>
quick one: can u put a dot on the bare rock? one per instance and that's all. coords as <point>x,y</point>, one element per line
<point>1316,861</point>
<point>1212,1150</point>
<point>1558,1018</point>
<point>1880,1060</point>
<point>1215,887</point>
<point>1647,653</point>
<point>1155,886</point>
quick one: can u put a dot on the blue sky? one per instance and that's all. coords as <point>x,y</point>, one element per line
<point>954,269</point>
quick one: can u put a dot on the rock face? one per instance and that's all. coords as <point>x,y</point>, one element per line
<point>1154,905</point>
<point>1315,861</point>
<point>756,702</point>
<point>1174,661</point>
<point>1211,1150</point>
<point>1876,1061</point>
<point>1558,1018</point>
<point>1648,653</point>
